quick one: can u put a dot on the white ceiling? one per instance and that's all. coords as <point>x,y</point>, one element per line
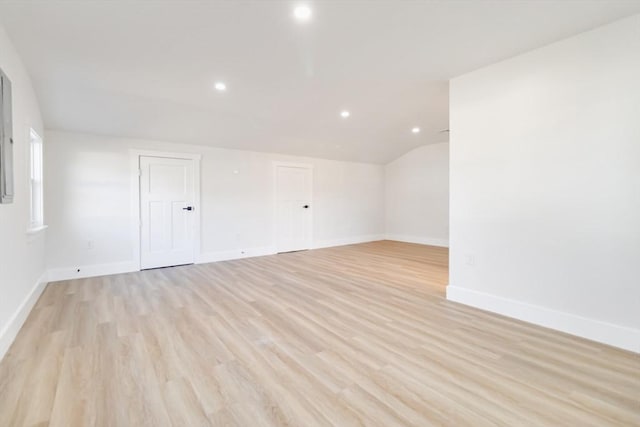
<point>146,69</point>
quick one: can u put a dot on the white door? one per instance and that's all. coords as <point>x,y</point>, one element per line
<point>166,211</point>
<point>293,208</point>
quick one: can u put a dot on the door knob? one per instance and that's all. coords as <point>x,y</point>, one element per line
<point>188,208</point>
<point>306,206</point>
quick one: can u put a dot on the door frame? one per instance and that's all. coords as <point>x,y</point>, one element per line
<point>307,166</point>
<point>136,221</point>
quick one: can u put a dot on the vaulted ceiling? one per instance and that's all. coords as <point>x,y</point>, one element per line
<point>146,69</point>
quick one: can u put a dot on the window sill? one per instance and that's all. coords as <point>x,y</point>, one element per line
<point>36,230</point>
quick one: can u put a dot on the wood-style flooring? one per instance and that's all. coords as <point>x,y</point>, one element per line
<point>353,335</point>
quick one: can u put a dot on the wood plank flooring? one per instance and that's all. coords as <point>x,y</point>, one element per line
<point>347,336</point>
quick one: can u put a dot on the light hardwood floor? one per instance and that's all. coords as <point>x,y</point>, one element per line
<point>354,335</point>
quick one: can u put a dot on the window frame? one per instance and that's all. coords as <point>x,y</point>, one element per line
<point>36,182</point>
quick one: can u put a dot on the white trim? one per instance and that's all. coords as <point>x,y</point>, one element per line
<point>235,254</point>
<point>36,230</point>
<point>69,273</point>
<point>272,250</point>
<point>11,329</point>
<point>165,154</point>
<point>276,165</point>
<point>134,162</point>
<point>35,223</point>
<point>595,330</point>
<point>348,241</point>
<point>134,170</point>
<point>431,241</point>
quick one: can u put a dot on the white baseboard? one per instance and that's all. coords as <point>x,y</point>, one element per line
<point>56,274</point>
<point>271,250</point>
<point>595,330</point>
<point>431,241</point>
<point>11,329</point>
<point>347,241</point>
<point>234,254</point>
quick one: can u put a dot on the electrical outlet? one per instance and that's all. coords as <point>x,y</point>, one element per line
<point>89,244</point>
<point>469,259</point>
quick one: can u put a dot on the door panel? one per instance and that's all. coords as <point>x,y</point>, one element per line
<point>180,227</point>
<point>167,233</point>
<point>167,179</point>
<point>293,220</point>
<point>156,222</point>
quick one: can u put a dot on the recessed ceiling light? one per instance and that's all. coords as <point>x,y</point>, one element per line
<point>302,13</point>
<point>415,130</point>
<point>345,114</point>
<point>220,86</point>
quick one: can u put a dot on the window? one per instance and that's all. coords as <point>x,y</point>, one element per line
<point>36,220</point>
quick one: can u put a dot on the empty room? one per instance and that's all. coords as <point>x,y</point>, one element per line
<point>319,213</point>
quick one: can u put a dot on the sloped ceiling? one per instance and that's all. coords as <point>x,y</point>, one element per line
<point>146,69</point>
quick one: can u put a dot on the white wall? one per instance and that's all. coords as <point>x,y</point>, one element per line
<point>417,196</point>
<point>21,256</point>
<point>89,199</point>
<point>545,186</point>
